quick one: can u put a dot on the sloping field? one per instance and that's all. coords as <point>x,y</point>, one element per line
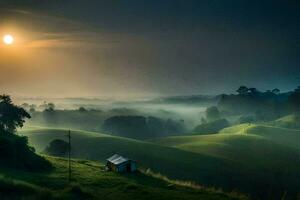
<point>90,181</point>
<point>289,121</point>
<point>269,151</point>
<point>243,158</point>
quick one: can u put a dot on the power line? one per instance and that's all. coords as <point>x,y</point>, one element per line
<point>69,137</point>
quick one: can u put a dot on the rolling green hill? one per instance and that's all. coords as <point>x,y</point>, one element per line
<point>174,163</point>
<point>289,121</point>
<point>270,153</point>
<point>91,181</point>
<point>242,142</point>
<point>259,160</point>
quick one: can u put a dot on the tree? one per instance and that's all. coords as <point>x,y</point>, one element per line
<point>253,90</point>
<point>11,116</point>
<point>82,109</point>
<point>50,107</point>
<point>57,147</point>
<point>294,101</point>
<point>212,113</point>
<point>129,126</point>
<point>15,152</point>
<point>276,91</point>
<point>242,90</point>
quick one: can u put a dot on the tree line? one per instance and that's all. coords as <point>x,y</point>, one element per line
<point>264,106</point>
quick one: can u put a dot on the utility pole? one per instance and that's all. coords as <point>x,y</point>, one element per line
<point>69,137</point>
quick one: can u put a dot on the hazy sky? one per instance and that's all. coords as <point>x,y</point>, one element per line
<point>148,47</point>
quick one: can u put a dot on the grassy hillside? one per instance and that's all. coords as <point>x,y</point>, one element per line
<point>270,154</point>
<point>174,163</point>
<point>289,121</point>
<point>258,147</point>
<point>90,181</point>
<point>243,158</point>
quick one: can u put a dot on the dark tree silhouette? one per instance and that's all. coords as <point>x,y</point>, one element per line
<point>242,90</point>
<point>11,116</point>
<point>276,91</point>
<point>82,109</point>
<point>254,92</point>
<point>57,147</point>
<point>294,101</point>
<point>142,127</point>
<point>47,106</point>
<point>50,107</point>
<point>130,126</point>
<point>15,152</point>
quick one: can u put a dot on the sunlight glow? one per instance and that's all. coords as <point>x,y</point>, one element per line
<point>8,39</point>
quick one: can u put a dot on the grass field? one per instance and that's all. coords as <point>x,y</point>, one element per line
<point>262,161</point>
<point>272,152</point>
<point>257,145</point>
<point>90,181</point>
<point>289,121</point>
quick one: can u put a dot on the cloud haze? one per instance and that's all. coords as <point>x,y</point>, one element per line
<point>124,48</point>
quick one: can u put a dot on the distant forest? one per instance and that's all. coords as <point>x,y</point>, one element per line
<point>260,106</point>
<point>248,105</point>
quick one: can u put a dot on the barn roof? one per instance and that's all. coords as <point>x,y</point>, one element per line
<point>117,159</point>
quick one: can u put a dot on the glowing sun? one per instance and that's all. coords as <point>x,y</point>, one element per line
<point>8,39</point>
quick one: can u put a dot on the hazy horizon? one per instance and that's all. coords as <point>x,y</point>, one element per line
<point>131,49</point>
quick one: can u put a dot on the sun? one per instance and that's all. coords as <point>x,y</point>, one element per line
<point>8,39</point>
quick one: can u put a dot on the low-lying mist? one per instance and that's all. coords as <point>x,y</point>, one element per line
<point>158,117</point>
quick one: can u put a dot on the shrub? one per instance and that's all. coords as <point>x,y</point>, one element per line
<point>57,148</point>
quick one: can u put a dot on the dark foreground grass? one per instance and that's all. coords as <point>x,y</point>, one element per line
<point>91,181</point>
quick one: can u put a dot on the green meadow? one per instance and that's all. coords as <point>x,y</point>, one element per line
<point>289,121</point>
<point>259,160</point>
<point>270,154</point>
<point>90,181</point>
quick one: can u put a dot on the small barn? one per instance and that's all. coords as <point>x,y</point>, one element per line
<point>118,163</point>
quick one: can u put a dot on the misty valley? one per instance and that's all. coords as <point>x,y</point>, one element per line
<point>143,118</point>
<point>149,100</point>
<point>231,142</point>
